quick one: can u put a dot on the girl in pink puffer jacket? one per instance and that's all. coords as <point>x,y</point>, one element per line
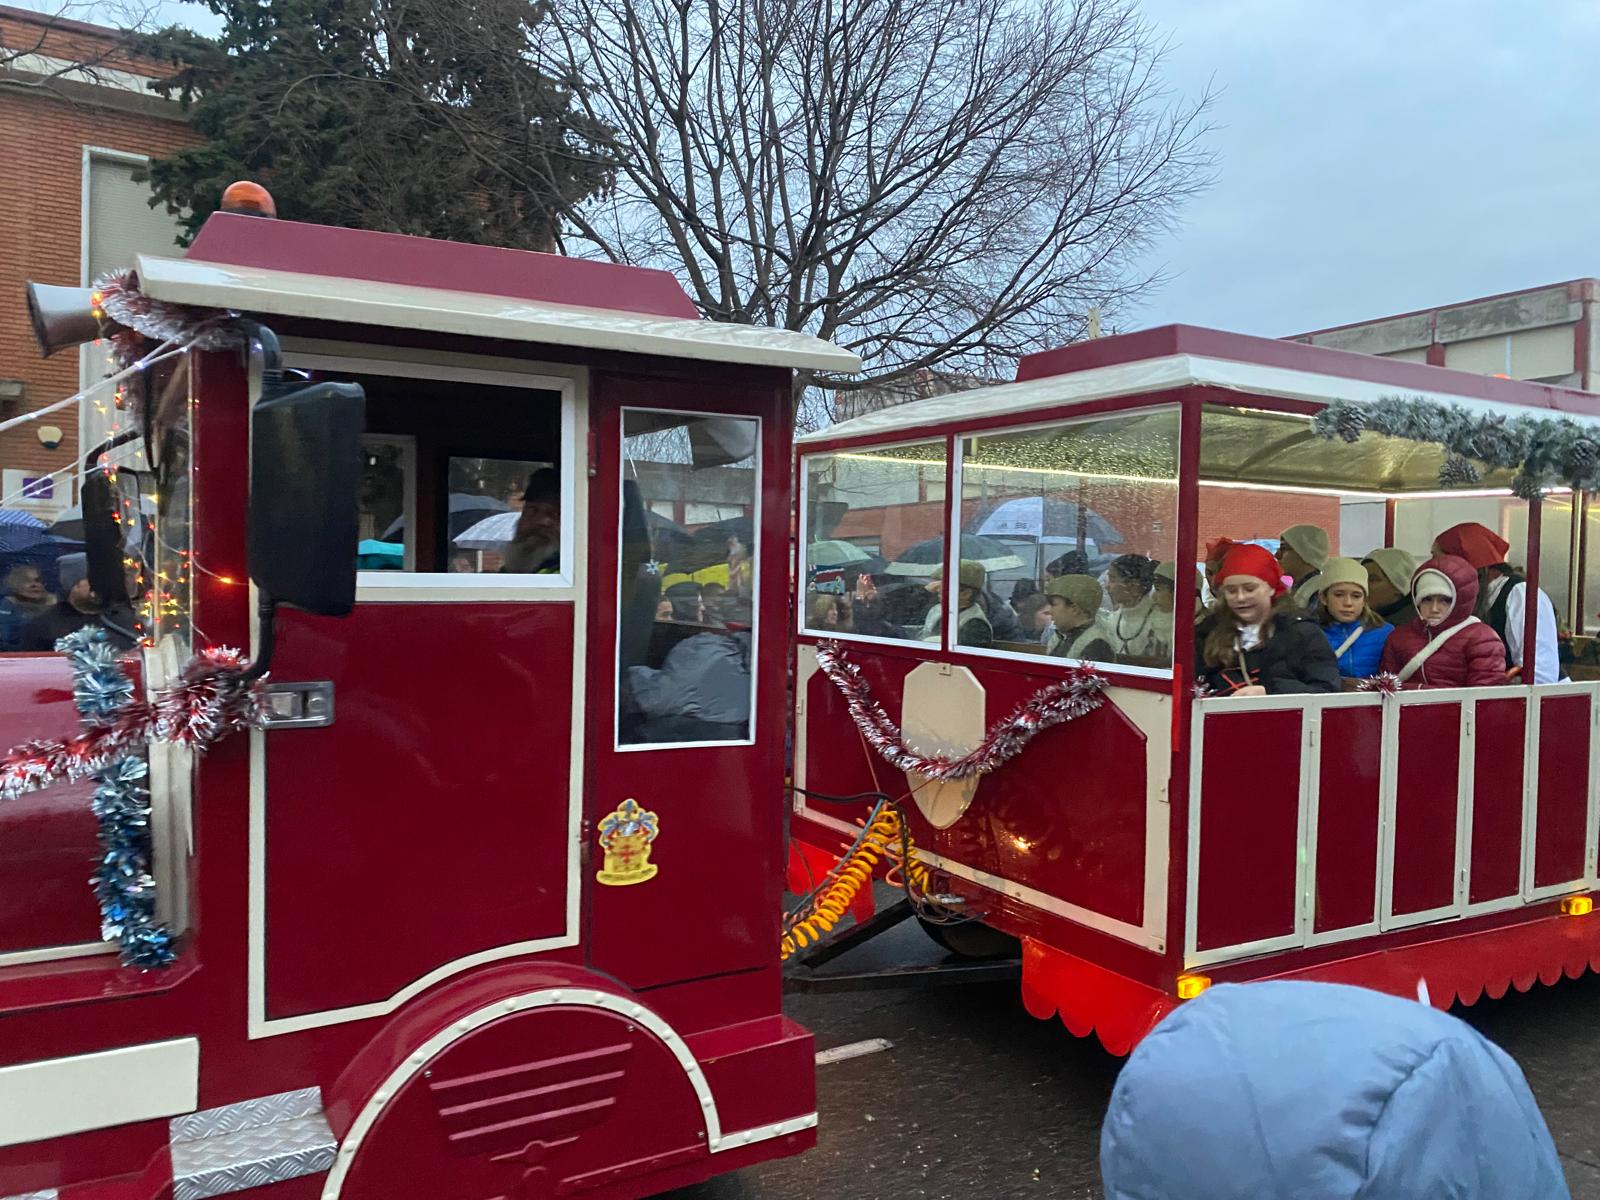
<point>1445,646</point>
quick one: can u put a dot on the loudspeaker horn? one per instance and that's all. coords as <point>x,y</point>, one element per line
<point>63,317</point>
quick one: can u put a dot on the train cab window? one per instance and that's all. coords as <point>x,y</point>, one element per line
<point>688,578</point>
<point>1082,514</point>
<point>874,542</point>
<point>464,485</point>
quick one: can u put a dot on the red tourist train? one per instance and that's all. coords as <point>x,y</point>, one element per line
<point>483,909</point>
<point>1432,842</point>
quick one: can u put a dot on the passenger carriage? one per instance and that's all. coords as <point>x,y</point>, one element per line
<point>1440,843</point>
<point>463,918</point>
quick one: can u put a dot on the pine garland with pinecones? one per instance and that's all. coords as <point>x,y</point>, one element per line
<point>1544,451</point>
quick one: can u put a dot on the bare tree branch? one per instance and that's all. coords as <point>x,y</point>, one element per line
<point>934,185</point>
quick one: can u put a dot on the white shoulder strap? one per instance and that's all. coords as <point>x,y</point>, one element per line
<point>1349,641</point>
<point>1423,655</point>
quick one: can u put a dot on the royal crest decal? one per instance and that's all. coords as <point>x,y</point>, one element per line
<point>625,837</point>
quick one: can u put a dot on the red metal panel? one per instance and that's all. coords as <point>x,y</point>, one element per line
<point>1067,817</point>
<point>428,262</point>
<point>530,1105</point>
<point>1426,793</point>
<point>714,905</point>
<point>1499,736</point>
<point>1249,827</point>
<point>416,830</point>
<point>839,762</point>
<point>47,838</point>
<point>1348,802</point>
<point>1565,727</point>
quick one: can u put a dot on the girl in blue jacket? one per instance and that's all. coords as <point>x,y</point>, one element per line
<point>1355,632</point>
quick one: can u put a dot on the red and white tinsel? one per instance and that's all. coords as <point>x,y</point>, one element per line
<point>1080,693</point>
<point>117,296</point>
<point>1386,682</point>
<point>210,701</point>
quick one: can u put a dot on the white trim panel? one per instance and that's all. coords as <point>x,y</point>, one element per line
<point>473,314</point>
<point>716,1139</point>
<point>58,1096</point>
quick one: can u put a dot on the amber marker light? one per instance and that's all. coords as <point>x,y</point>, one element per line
<point>249,199</point>
<point>1577,906</point>
<point>1190,986</point>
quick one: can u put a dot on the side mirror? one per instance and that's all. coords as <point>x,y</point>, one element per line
<point>305,480</point>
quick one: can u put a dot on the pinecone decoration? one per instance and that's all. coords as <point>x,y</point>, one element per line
<point>1458,472</point>
<point>1526,486</point>
<point>1349,421</point>
<point>1582,460</point>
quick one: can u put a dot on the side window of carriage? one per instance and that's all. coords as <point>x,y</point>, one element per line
<point>688,574</point>
<point>1069,543</point>
<point>872,557</point>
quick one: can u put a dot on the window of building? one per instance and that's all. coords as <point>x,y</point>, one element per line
<point>688,578</point>
<point>1069,543</point>
<point>873,542</point>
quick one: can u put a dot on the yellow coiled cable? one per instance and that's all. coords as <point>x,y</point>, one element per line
<point>883,838</point>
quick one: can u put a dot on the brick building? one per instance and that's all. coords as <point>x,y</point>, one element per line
<point>76,122</point>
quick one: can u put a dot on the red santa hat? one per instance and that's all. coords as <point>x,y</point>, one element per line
<point>1257,562</point>
<point>1478,544</point>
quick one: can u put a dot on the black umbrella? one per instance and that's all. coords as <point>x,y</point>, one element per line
<point>922,558</point>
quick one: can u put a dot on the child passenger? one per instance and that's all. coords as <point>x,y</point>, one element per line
<point>1355,632</point>
<point>1445,646</point>
<point>1255,642</point>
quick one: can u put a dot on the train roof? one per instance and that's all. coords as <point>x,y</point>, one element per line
<point>319,272</point>
<point>1178,356</point>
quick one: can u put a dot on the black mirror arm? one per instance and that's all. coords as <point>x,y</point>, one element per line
<point>262,662</point>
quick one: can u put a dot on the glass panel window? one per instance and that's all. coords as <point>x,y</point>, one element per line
<point>1069,542</point>
<point>873,559</point>
<point>462,479</point>
<point>687,589</point>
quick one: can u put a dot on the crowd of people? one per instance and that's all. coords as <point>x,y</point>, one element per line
<point>32,617</point>
<point>1300,620</point>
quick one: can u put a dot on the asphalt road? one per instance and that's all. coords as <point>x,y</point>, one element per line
<point>978,1099</point>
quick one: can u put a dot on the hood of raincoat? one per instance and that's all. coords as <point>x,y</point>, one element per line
<point>1317,1090</point>
<point>1460,573</point>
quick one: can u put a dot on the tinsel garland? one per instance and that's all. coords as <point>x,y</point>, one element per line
<point>118,297</point>
<point>1386,682</point>
<point>1081,692</point>
<point>1542,450</point>
<point>210,701</point>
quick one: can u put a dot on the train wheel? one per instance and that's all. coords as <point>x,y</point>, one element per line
<point>970,939</point>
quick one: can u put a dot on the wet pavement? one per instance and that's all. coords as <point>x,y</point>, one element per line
<point>976,1099</point>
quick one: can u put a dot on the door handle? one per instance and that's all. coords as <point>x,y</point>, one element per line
<point>299,705</point>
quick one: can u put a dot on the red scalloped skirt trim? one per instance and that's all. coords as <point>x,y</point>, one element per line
<point>1463,968</point>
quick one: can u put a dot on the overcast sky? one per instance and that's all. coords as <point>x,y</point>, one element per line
<point>1382,155</point>
<point>1375,155</point>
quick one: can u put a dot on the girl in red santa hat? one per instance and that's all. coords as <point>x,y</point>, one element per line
<point>1255,642</point>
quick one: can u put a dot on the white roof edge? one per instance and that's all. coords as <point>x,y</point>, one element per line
<point>1147,375</point>
<point>363,302</point>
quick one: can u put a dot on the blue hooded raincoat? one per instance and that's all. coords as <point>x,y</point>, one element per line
<point>1320,1092</point>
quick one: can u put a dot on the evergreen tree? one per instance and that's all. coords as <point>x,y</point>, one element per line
<point>421,118</point>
